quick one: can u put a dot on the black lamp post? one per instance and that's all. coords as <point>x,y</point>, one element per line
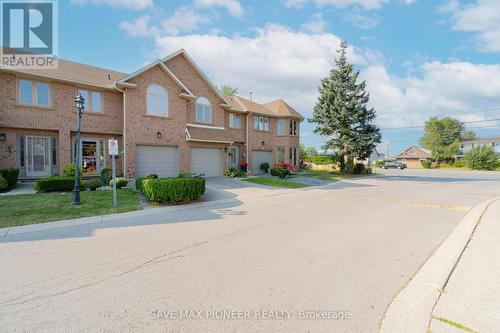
<point>80,104</point>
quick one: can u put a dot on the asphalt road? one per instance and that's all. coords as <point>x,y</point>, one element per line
<point>315,260</point>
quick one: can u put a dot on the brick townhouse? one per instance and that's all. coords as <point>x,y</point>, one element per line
<point>167,117</point>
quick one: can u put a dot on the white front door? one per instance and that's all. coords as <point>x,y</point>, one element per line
<point>38,156</point>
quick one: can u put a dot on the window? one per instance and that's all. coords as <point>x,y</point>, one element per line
<point>294,127</point>
<point>34,93</point>
<point>281,127</point>
<point>93,100</point>
<point>281,155</point>
<point>157,102</point>
<point>203,110</point>
<point>261,123</point>
<point>293,156</point>
<point>234,120</point>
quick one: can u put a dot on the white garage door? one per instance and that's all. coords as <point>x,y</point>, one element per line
<point>259,157</point>
<point>207,161</point>
<point>164,161</point>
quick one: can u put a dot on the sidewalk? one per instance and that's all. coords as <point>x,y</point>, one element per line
<point>471,299</point>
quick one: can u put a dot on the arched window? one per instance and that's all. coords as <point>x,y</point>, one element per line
<point>203,110</point>
<point>157,100</point>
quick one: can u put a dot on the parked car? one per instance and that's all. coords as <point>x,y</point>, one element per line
<point>394,165</point>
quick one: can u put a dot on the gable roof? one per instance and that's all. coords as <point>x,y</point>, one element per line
<point>420,153</point>
<point>281,108</point>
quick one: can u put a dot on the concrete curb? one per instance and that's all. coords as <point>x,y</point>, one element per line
<point>410,311</point>
<point>16,230</point>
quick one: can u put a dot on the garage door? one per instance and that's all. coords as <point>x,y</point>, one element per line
<point>259,157</point>
<point>164,161</point>
<point>207,161</point>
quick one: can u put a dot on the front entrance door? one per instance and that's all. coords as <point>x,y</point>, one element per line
<point>37,157</point>
<point>91,155</point>
<point>234,157</point>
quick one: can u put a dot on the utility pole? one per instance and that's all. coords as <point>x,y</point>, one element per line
<point>388,151</point>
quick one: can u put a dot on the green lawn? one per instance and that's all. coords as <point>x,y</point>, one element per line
<point>274,182</point>
<point>323,175</point>
<point>37,208</point>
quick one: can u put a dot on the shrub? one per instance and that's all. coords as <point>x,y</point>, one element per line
<point>70,170</point>
<point>4,186</point>
<point>265,167</point>
<point>106,175</point>
<point>56,184</point>
<point>426,164</point>
<point>240,174</point>
<point>323,159</point>
<point>152,176</point>
<point>231,172</point>
<point>120,182</point>
<point>459,164</point>
<point>481,158</point>
<point>173,190</point>
<point>10,175</point>
<point>138,183</point>
<point>279,170</point>
<point>92,184</point>
<point>186,175</point>
<point>359,168</point>
<point>378,164</point>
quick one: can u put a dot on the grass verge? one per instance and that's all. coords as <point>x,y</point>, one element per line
<point>276,182</point>
<point>323,175</point>
<point>25,209</point>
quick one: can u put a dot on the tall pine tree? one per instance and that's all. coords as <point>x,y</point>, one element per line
<point>342,116</point>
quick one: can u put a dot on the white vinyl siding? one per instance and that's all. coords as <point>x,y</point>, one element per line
<point>163,161</point>
<point>207,161</point>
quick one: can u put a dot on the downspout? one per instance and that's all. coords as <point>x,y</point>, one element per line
<point>124,134</point>
<point>247,149</point>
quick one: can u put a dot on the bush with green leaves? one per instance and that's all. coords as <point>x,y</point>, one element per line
<point>379,164</point>
<point>426,164</point>
<point>4,186</point>
<point>265,167</point>
<point>186,175</point>
<point>57,183</point>
<point>323,159</point>
<point>106,175</point>
<point>360,169</point>
<point>481,158</point>
<point>138,183</point>
<point>173,190</point>
<point>120,182</point>
<point>92,184</point>
<point>459,164</point>
<point>240,174</point>
<point>280,171</point>
<point>70,170</point>
<point>231,172</point>
<point>11,175</point>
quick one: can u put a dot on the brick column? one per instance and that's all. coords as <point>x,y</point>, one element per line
<point>64,149</point>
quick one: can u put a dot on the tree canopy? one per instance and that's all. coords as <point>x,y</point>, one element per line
<point>228,90</point>
<point>342,115</point>
<point>442,137</point>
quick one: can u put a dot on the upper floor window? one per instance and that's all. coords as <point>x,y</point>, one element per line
<point>234,120</point>
<point>294,127</point>
<point>203,110</point>
<point>34,93</point>
<point>93,100</point>
<point>157,101</point>
<point>261,123</point>
<point>281,127</point>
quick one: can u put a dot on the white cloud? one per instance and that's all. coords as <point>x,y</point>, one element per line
<point>128,4</point>
<point>232,6</point>
<point>138,27</point>
<point>483,18</point>
<point>366,4</point>
<point>295,4</point>
<point>361,21</point>
<point>184,19</point>
<point>316,25</point>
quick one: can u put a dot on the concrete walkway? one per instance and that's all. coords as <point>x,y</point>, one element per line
<point>21,189</point>
<point>471,299</point>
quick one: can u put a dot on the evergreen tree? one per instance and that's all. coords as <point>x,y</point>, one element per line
<point>342,116</point>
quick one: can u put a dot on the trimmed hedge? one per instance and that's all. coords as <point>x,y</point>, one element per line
<point>92,184</point>
<point>10,175</point>
<point>138,183</point>
<point>106,175</point>
<point>280,171</point>
<point>56,184</point>
<point>3,184</point>
<point>173,190</point>
<point>120,182</point>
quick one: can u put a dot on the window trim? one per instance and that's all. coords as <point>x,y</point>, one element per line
<point>294,127</point>
<point>232,117</point>
<point>88,102</point>
<point>164,115</point>
<point>293,153</point>
<point>278,154</point>
<point>34,93</point>
<point>204,111</point>
<point>259,120</point>
<point>278,127</point>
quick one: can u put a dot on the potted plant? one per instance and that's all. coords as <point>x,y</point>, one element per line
<point>265,167</point>
<point>243,166</point>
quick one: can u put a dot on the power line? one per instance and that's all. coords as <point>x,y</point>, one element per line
<point>423,126</point>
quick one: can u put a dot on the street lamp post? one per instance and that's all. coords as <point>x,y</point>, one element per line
<point>79,103</point>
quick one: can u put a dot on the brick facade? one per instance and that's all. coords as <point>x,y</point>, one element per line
<point>124,117</point>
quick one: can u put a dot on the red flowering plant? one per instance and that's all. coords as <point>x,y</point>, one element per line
<point>243,164</point>
<point>286,165</point>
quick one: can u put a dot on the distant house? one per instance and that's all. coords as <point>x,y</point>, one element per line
<point>468,144</point>
<point>412,156</point>
<point>374,157</point>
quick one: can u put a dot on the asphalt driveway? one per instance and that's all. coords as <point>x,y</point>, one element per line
<point>310,260</point>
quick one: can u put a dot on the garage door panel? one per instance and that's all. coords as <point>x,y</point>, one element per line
<point>207,161</point>
<point>164,161</point>
<point>259,157</point>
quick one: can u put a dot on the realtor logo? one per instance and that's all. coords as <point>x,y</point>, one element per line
<point>29,33</point>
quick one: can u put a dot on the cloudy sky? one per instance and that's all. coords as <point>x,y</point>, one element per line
<point>420,58</point>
